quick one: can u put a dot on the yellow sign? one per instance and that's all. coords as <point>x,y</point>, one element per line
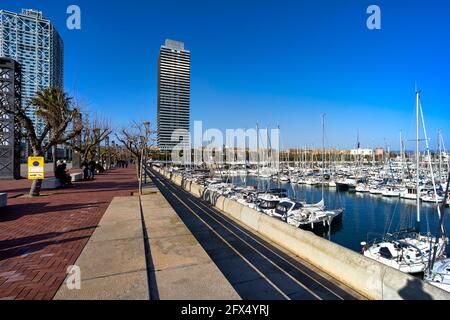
<point>36,168</point>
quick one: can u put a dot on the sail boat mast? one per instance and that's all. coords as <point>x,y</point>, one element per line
<point>257,147</point>
<point>323,155</point>
<point>417,160</point>
<point>440,154</point>
<point>402,155</point>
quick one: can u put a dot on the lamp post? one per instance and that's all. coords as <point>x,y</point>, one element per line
<point>108,153</point>
<point>147,135</point>
<point>114,160</point>
<point>141,165</point>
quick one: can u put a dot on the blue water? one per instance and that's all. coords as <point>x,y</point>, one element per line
<point>364,215</point>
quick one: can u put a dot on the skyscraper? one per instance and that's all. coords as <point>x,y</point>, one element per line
<point>174,87</point>
<point>34,43</point>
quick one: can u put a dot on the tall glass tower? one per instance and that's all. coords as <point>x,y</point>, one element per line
<point>34,43</point>
<point>174,88</point>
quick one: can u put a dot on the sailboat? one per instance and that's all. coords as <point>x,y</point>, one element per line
<point>438,273</point>
<point>302,215</point>
<point>408,250</point>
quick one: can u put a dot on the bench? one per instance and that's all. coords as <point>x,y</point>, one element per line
<point>50,184</point>
<point>76,176</point>
<point>3,200</point>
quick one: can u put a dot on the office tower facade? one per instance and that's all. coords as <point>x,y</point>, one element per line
<point>34,43</point>
<point>174,87</point>
<point>10,100</point>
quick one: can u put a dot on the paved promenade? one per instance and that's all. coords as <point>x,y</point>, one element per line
<point>146,255</point>
<point>41,237</point>
<point>180,269</point>
<point>113,263</point>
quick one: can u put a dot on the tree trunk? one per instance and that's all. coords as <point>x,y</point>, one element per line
<point>35,190</point>
<point>138,167</point>
<point>54,158</point>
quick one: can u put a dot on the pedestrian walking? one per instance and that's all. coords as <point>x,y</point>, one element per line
<point>92,166</point>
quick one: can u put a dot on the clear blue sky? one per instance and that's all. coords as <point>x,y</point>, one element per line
<point>276,62</point>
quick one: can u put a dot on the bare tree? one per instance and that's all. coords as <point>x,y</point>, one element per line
<point>136,139</point>
<point>95,131</point>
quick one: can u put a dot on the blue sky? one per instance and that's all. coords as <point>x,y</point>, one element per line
<point>275,62</point>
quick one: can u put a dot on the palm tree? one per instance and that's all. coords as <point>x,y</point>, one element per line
<point>53,105</point>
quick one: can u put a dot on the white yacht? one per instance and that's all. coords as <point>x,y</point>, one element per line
<point>409,254</point>
<point>390,191</point>
<point>409,193</point>
<point>313,182</point>
<point>312,217</point>
<point>362,188</point>
<point>294,179</point>
<point>301,216</point>
<point>301,180</point>
<point>375,190</point>
<point>267,202</point>
<point>439,276</point>
<point>332,184</point>
<point>432,197</point>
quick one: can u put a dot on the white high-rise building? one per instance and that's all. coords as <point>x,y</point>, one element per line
<point>174,86</point>
<point>34,43</point>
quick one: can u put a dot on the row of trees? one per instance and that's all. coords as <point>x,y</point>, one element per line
<point>64,125</point>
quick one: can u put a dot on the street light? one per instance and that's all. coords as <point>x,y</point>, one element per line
<point>114,156</point>
<point>141,165</point>
<point>147,134</point>
<point>108,153</point>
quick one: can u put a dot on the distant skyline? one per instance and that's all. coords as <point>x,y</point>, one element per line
<point>273,62</point>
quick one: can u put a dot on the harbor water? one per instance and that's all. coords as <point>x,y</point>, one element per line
<point>366,216</point>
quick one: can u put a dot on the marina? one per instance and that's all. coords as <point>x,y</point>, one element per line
<point>394,209</point>
<point>366,215</point>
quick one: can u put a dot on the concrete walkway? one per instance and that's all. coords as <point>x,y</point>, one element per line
<point>154,258</point>
<point>113,265</point>
<point>180,269</point>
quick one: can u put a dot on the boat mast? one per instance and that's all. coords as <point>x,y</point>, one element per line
<point>373,154</point>
<point>401,153</point>
<point>417,161</point>
<point>440,155</point>
<point>267,161</point>
<point>323,155</point>
<point>257,147</point>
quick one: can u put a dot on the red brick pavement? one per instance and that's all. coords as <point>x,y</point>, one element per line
<point>41,237</point>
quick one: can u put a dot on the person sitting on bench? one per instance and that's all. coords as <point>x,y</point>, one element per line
<point>62,175</point>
